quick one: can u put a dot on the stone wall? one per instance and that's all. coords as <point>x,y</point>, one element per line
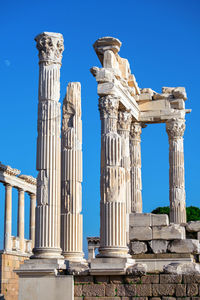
<point>9,279</point>
<point>150,286</point>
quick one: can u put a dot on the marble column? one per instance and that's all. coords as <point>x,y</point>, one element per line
<point>8,218</point>
<point>136,179</point>
<point>113,193</point>
<point>20,220</point>
<point>47,239</point>
<point>124,122</point>
<point>32,219</point>
<point>175,129</point>
<point>71,175</point>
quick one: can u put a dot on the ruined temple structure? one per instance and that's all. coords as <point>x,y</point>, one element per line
<point>138,254</point>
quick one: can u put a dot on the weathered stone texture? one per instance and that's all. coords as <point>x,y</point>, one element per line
<point>181,290</point>
<point>184,246</point>
<point>148,219</point>
<point>158,246</point>
<point>94,290</point>
<point>163,289</point>
<point>110,290</point>
<point>192,289</point>
<point>150,279</point>
<point>138,247</point>
<point>172,278</point>
<point>184,268</point>
<point>193,226</point>
<point>191,278</point>
<point>8,279</point>
<point>83,279</point>
<point>151,286</point>
<point>78,290</point>
<point>140,233</point>
<point>171,232</point>
<point>144,290</point>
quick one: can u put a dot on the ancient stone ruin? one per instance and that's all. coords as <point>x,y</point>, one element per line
<point>139,254</point>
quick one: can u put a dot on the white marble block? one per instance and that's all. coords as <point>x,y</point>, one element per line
<point>184,246</point>
<point>171,232</point>
<point>158,246</point>
<point>140,233</point>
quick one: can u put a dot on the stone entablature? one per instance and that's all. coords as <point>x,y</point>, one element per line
<point>159,108</point>
<point>12,176</point>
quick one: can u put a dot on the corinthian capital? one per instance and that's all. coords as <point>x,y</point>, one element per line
<point>175,128</point>
<point>50,46</point>
<point>136,130</point>
<point>108,106</point>
<point>124,120</point>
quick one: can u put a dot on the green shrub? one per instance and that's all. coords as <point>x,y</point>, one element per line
<point>193,212</point>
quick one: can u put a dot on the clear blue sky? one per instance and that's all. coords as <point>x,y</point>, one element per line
<point>161,41</point>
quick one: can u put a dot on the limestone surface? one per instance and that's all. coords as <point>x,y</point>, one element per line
<point>182,269</point>
<point>171,232</point>
<point>193,226</point>
<point>184,246</point>
<point>137,269</point>
<point>71,175</point>
<point>47,240</point>
<point>138,247</point>
<point>158,246</point>
<point>148,219</point>
<point>140,233</point>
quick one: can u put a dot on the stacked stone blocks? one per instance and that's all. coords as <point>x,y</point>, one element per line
<point>150,286</point>
<point>151,233</point>
<point>8,278</point>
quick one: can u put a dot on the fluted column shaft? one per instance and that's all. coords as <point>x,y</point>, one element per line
<point>136,179</point>
<point>32,219</point>
<point>71,175</point>
<point>8,217</point>
<point>113,193</point>
<point>47,240</point>
<point>124,122</point>
<point>20,221</point>
<point>175,129</point>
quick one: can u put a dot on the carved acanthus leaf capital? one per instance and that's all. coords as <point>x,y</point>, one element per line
<point>136,130</point>
<point>50,46</point>
<point>175,128</point>
<point>124,120</point>
<point>108,106</point>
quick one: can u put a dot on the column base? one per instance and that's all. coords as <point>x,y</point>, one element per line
<point>73,256</point>
<point>113,252</point>
<point>110,265</point>
<point>40,253</point>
